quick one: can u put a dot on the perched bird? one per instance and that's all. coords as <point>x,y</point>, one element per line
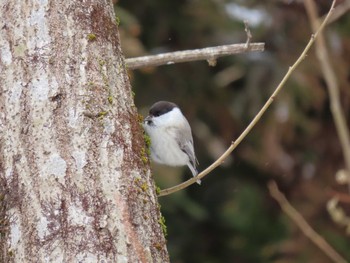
<point>171,136</point>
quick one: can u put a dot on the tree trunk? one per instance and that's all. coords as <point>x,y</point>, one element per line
<point>75,178</point>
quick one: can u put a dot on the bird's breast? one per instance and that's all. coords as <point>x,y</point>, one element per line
<point>165,149</point>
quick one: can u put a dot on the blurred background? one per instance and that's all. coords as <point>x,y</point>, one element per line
<point>231,217</point>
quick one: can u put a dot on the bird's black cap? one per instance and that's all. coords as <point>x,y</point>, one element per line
<point>161,107</point>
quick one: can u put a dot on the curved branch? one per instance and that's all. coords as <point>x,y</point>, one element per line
<point>256,118</point>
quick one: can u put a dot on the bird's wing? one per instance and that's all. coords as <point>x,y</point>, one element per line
<point>185,142</point>
<point>188,149</point>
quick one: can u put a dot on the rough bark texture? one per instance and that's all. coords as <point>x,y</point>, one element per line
<point>75,180</point>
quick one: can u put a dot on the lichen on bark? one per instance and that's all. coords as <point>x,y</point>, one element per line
<point>70,141</point>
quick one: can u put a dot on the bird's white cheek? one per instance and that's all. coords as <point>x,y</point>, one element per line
<point>153,133</point>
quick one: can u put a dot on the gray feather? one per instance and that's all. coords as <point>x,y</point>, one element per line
<point>185,142</point>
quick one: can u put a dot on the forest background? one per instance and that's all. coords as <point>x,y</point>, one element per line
<point>232,217</point>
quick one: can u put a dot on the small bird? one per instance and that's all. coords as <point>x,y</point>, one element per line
<point>171,136</point>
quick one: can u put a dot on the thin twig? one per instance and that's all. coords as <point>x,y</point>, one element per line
<point>249,34</point>
<point>332,85</point>
<point>234,144</point>
<point>191,55</point>
<point>299,220</point>
<point>339,11</point>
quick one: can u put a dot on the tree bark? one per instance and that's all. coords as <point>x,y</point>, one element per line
<point>75,178</point>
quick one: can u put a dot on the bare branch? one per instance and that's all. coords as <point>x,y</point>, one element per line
<point>332,86</point>
<point>209,53</point>
<point>299,220</point>
<point>222,158</point>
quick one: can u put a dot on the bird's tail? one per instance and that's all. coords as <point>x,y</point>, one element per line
<point>194,171</point>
